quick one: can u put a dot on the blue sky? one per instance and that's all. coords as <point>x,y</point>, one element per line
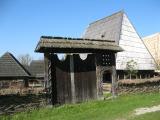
<point>22,22</point>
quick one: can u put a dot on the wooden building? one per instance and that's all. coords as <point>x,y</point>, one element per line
<point>152,42</point>
<point>12,73</point>
<point>118,28</point>
<point>36,68</point>
<point>75,78</point>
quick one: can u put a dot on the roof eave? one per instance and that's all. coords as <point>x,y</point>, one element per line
<point>75,50</point>
<point>73,46</point>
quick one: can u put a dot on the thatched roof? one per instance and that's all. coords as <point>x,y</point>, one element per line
<point>10,67</point>
<point>75,45</point>
<point>36,68</point>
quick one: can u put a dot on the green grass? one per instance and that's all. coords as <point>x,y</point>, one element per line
<point>116,109</point>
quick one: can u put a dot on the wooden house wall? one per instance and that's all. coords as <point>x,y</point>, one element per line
<point>11,84</point>
<point>134,48</point>
<point>62,76</point>
<point>84,79</point>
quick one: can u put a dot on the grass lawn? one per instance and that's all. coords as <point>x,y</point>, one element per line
<point>121,108</point>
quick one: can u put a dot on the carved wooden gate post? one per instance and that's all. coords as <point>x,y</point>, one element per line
<point>72,78</point>
<point>114,82</point>
<point>50,79</point>
<point>100,71</point>
<point>46,61</point>
<point>99,82</point>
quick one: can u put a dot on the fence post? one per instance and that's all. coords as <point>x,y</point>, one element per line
<point>140,76</point>
<point>130,76</point>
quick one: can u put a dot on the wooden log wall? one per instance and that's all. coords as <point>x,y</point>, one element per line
<point>84,79</point>
<point>75,80</point>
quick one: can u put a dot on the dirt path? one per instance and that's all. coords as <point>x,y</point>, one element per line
<point>140,111</point>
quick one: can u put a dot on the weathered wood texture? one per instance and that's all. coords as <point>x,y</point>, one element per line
<point>75,45</point>
<point>84,79</point>
<point>51,98</point>
<point>75,80</point>
<point>62,79</point>
<point>14,103</point>
<point>139,86</point>
<point>105,62</point>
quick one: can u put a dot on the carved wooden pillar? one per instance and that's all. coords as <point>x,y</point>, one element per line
<point>46,80</point>
<point>99,82</point>
<point>114,81</point>
<point>46,61</point>
<point>50,79</point>
<point>73,92</point>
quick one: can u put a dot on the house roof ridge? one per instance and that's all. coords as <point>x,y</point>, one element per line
<point>121,11</point>
<point>19,65</point>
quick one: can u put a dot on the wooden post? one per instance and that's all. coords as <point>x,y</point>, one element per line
<point>130,76</point>
<point>140,76</point>
<point>145,76</point>
<point>46,60</point>
<point>46,79</point>
<point>118,77</point>
<point>72,79</point>
<point>26,82</point>
<point>124,77</point>
<point>99,82</point>
<point>114,82</point>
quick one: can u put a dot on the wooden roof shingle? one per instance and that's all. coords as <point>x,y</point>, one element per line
<point>108,28</point>
<point>10,67</point>
<point>75,45</point>
<point>36,68</point>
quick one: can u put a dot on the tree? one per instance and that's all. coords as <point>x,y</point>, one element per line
<point>158,67</point>
<point>131,68</point>
<point>25,59</point>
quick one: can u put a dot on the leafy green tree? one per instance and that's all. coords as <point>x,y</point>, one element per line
<point>158,67</point>
<point>131,68</point>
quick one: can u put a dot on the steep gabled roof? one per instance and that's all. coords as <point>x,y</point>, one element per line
<point>117,27</point>
<point>37,68</point>
<point>107,28</point>
<point>10,67</point>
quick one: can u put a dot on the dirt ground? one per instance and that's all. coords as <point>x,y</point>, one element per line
<point>145,110</point>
